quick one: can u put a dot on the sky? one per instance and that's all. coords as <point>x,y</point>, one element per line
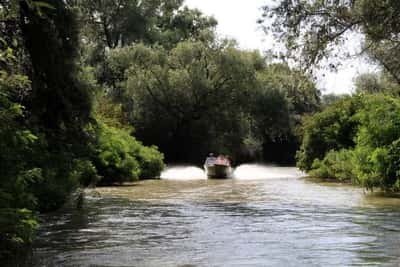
<point>237,19</point>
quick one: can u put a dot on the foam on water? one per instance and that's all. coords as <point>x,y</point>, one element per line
<point>242,172</point>
<point>257,171</point>
<point>183,173</point>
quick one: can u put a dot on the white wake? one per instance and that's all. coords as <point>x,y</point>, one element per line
<point>183,173</point>
<point>258,171</point>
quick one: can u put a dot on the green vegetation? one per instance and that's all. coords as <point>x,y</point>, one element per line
<point>354,138</point>
<point>313,29</point>
<point>336,165</point>
<point>332,129</point>
<point>119,157</point>
<point>50,142</point>
<point>209,98</point>
<point>92,91</point>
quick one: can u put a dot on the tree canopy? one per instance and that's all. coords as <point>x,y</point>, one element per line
<point>116,23</point>
<point>313,29</point>
<point>205,98</point>
<point>355,139</point>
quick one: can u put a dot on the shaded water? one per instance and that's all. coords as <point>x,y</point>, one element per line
<point>265,216</point>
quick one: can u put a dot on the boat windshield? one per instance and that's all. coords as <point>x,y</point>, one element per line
<point>210,160</point>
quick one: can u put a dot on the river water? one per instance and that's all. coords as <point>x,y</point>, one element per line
<point>265,216</point>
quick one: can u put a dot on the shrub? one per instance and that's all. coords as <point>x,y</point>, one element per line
<point>86,173</point>
<point>17,229</point>
<point>332,129</point>
<point>374,128</point>
<point>59,180</point>
<point>336,164</point>
<point>151,162</point>
<point>115,156</point>
<point>379,167</point>
<point>393,167</point>
<point>121,158</point>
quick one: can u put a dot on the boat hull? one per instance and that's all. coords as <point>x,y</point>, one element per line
<point>218,171</point>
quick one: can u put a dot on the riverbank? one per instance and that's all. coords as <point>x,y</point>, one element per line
<point>378,192</point>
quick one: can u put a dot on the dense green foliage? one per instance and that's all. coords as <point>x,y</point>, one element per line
<point>189,95</point>
<point>279,122</point>
<point>49,142</point>
<point>120,158</point>
<point>116,23</point>
<point>335,165</point>
<point>204,98</point>
<point>332,129</point>
<point>180,86</point>
<point>92,91</point>
<point>36,149</point>
<point>355,139</point>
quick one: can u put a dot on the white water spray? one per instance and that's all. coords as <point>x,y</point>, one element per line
<point>183,173</point>
<point>242,172</point>
<point>257,171</point>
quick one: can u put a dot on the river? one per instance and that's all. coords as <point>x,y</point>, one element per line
<point>265,216</point>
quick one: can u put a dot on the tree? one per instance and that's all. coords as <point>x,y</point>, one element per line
<point>204,98</point>
<point>59,100</point>
<point>368,83</point>
<point>329,99</point>
<point>109,24</point>
<point>297,96</point>
<point>311,29</point>
<point>355,139</point>
<point>193,95</point>
<point>332,129</point>
<point>117,23</point>
<point>184,24</point>
<point>374,83</point>
<point>299,89</point>
<point>17,221</point>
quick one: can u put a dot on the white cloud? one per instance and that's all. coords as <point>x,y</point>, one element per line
<point>236,19</point>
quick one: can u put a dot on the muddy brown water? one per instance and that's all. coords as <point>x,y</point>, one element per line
<point>265,216</point>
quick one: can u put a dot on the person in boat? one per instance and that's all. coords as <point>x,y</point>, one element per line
<point>222,160</point>
<point>228,161</point>
<point>210,160</point>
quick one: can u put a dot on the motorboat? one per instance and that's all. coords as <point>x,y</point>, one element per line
<point>217,167</point>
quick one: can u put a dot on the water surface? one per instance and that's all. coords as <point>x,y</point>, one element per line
<point>265,216</point>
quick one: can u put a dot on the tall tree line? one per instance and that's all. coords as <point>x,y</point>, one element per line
<point>92,91</point>
<point>355,138</point>
<point>189,92</point>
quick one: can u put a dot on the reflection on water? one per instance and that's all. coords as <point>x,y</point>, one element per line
<point>274,219</point>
